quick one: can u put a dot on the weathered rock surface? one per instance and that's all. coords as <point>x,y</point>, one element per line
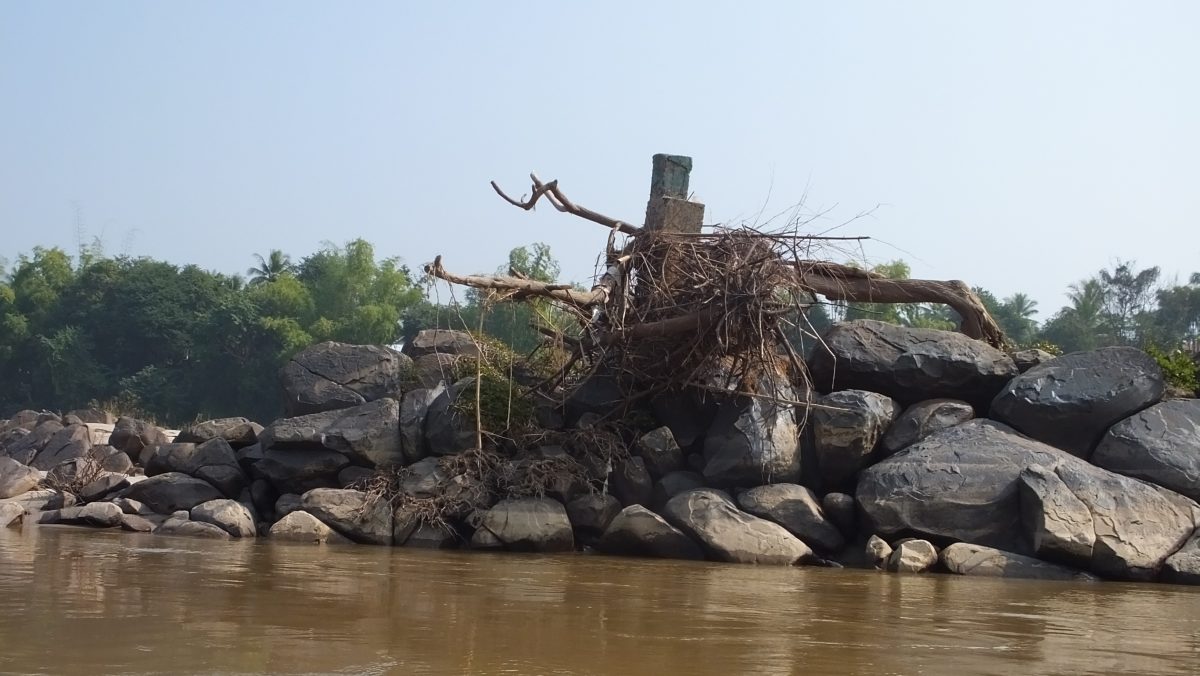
<point>72,441</point>
<point>728,534</point>
<point>659,450</point>
<point>1070,402</point>
<point>967,559</point>
<point>753,441</point>
<point>136,524</point>
<point>228,515</point>
<point>413,408</point>
<point>909,364</point>
<point>98,514</point>
<point>591,514</point>
<point>912,556</point>
<point>630,483</point>
<point>103,485</point>
<point>351,513</point>
<point>636,531</point>
<point>447,431</point>
<point>846,430</point>
<point>90,416</point>
<point>237,432</point>
<point>434,371</point>
<point>530,524</point>
<point>16,478</point>
<point>330,376</point>
<point>24,445</point>
<point>43,499</point>
<point>170,492</point>
<point>1183,567</point>
<point>188,528</point>
<point>214,461</point>
<point>301,470</point>
<point>839,508</point>
<point>1160,444</point>
<point>132,437</point>
<point>922,419</point>
<point>369,432</point>
<point>304,527</point>
<point>965,483</point>
<point>673,484</point>
<point>11,514</point>
<point>444,341</point>
<point>1027,359</point>
<point>878,551</point>
<point>795,508</point>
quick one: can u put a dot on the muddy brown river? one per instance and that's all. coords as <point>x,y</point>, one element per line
<point>87,602</point>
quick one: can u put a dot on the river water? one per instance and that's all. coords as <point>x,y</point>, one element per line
<point>75,601</point>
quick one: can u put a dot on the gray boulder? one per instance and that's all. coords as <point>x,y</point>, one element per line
<point>24,445</point>
<point>431,536</point>
<point>214,461</point>
<point>530,524</point>
<point>967,559</point>
<point>11,514</point>
<point>434,371</point>
<point>444,341</point>
<point>636,531</point>
<point>630,483</point>
<point>16,479</point>
<point>238,432</point>
<point>43,499</point>
<point>304,527</point>
<point>1160,444</point>
<point>753,440</point>
<point>660,452</point>
<point>330,376</point>
<point>300,470</point>
<point>98,514</point>
<point>447,430</point>
<point>795,508</point>
<point>840,510</point>
<point>846,428</point>
<point>170,492</point>
<point>229,515</point>
<point>72,441</point>
<point>878,551</point>
<point>1183,567</point>
<point>132,437</point>
<point>908,364</point>
<point>102,486</point>
<point>975,483</point>
<point>93,415</point>
<point>369,432</point>
<point>185,527</point>
<point>922,419</point>
<point>136,524</point>
<point>413,409</point>
<point>1071,401</point>
<point>912,556</point>
<point>351,513</point>
<point>673,484</point>
<point>728,534</point>
<point>591,514</point>
<point>1027,359</point>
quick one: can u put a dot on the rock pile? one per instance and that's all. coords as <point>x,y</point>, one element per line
<point>927,451</point>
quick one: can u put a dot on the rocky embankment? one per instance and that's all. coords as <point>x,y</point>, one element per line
<point>928,452</point>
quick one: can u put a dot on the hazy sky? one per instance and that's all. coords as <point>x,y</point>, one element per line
<point>1019,147</point>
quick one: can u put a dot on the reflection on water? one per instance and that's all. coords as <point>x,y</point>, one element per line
<point>108,602</point>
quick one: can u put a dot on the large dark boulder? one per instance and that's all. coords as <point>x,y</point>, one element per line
<point>214,461</point>
<point>352,513</point>
<point>133,437</point>
<point>238,432</point>
<point>447,430</point>
<point>173,491</point>
<point>922,419</point>
<point>753,440</point>
<point>909,364</point>
<point>69,443</point>
<point>1070,402</point>
<point>637,531</point>
<point>369,433</point>
<point>846,428</point>
<point>795,508</point>
<point>301,470</point>
<point>660,452</point>
<point>530,524</point>
<point>1160,444</point>
<point>630,483</point>
<point>673,484</point>
<point>590,514</point>
<point>23,445</point>
<point>413,409</point>
<point>729,534</point>
<point>330,375</point>
<point>975,483</point>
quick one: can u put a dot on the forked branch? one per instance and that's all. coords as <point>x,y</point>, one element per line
<point>560,201</point>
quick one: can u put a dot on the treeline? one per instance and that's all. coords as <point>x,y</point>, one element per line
<point>170,342</point>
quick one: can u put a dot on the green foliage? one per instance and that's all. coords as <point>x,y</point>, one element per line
<point>1178,368</point>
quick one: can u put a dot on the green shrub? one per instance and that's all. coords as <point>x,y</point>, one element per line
<point>1178,368</point>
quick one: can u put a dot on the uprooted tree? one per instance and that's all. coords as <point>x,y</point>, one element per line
<point>682,305</point>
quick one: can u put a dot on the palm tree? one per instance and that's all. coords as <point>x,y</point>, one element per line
<point>271,268</point>
<point>1017,314</point>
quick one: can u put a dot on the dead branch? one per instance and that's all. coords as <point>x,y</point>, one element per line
<point>516,288</point>
<point>560,201</point>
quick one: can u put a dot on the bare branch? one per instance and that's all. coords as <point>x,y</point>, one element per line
<point>564,204</point>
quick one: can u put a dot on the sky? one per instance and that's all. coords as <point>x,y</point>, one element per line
<point>1019,146</point>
